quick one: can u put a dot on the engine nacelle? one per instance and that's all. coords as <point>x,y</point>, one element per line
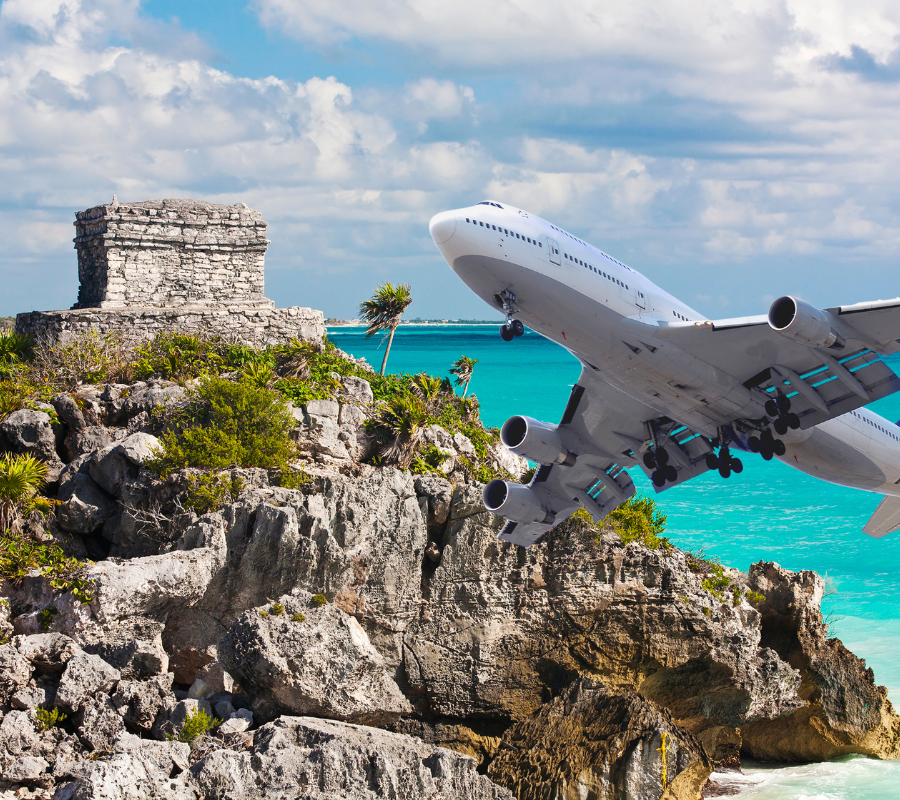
<point>535,440</point>
<point>514,501</point>
<point>799,320</point>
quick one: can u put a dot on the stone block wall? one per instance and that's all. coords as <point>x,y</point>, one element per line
<point>251,325</point>
<point>169,253</point>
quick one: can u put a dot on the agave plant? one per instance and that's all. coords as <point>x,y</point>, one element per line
<point>21,478</point>
<point>293,358</point>
<point>463,369</point>
<point>14,349</point>
<point>262,376</point>
<point>425,387</point>
<point>403,419</point>
<point>383,312</point>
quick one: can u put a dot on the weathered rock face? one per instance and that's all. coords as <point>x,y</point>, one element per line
<point>844,711</point>
<point>591,742</point>
<point>315,759</point>
<point>322,664</point>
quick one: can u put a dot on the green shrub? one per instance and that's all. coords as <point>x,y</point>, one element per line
<point>210,491</point>
<point>19,556</point>
<point>45,617</point>
<point>48,719</point>
<point>293,479</point>
<point>276,609</point>
<point>428,460</point>
<point>20,390</point>
<point>298,617</point>
<point>180,356</point>
<point>225,424</point>
<point>88,357</point>
<point>716,582</point>
<point>639,520</point>
<point>21,478</point>
<point>318,600</point>
<point>197,723</point>
<point>755,598</point>
<point>263,613</point>
<point>15,348</point>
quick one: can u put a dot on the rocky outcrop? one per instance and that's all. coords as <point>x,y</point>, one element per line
<point>305,660</point>
<point>592,741</point>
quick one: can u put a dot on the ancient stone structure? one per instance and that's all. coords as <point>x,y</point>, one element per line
<point>183,265</point>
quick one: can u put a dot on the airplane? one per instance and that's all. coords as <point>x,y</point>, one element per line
<point>666,390</point>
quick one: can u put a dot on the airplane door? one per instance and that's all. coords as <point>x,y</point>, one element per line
<point>639,300</point>
<point>553,249</point>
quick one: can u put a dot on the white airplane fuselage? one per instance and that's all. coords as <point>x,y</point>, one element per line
<point>582,299</point>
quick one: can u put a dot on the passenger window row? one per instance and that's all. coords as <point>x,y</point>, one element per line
<point>675,313</point>
<point>594,269</point>
<point>505,231</point>
<point>869,422</point>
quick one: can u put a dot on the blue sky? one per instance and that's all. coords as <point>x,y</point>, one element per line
<point>731,152</point>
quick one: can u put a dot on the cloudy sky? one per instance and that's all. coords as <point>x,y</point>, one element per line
<point>732,151</point>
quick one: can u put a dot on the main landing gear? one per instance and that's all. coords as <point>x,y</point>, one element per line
<point>658,460</point>
<point>724,461</point>
<point>779,408</point>
<point>512,328</point>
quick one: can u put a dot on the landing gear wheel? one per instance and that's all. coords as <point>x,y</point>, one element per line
<point>659,480</point>
<point>753,444</point>
<point>725,470</point>
<point>737,466</point>
<point>781,426</point>
<point>779,449</point>
<point>766,439</point>
<point>506,334</point>
<point>784,404</point>
<point>771,408</point>
<point>517,327</point>
<point>671,473</point>
<point>711,461</point>
<point>649,460</point>
<point>766,453</point>
<point>662,457</point>
<point>793,421</point>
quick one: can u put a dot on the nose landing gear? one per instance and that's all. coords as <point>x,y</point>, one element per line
<point>512,328</point>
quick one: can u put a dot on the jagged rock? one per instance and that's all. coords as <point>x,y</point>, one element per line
<point>109,468</point>
<point>144,705</point>
<point>138,448</point>
<point>232,726</point>
<point>325,665</point>
<point>15,672</point>
<point>605,744</point>
<point>843,710</point>
<point>30,431</point>
<point>98,723</point>
<point>358,389</point>
<point>68,411</point>
<point>26,769</point>
<point>439,492</point>
<point>47,652</point>
<point>315,759</point>
<point>223,709</point>
<point>84,442</point>
<point>200,691</point>
<point>84,675</point>
<point>138,770</point>
<point>185,708</point>
<point>216,678</point>
<point>323,408</point>
<point>17,736</point>
<point>145,400</point>
<point>84,505</point>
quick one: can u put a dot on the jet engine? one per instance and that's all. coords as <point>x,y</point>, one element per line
<point>799,320</point>
<point>535,440</point>
<point>514,501</point>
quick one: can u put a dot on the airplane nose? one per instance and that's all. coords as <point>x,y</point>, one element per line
<point>442,226</point>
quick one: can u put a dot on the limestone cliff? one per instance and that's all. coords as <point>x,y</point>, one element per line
<point>558,668</point>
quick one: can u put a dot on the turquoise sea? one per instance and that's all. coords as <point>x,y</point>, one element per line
<point>770,512</point>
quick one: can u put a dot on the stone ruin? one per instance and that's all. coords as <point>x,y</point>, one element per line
<point>164,265</point>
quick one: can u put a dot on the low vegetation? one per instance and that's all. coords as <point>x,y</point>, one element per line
<point>47,719</point>
<point>197,723</point>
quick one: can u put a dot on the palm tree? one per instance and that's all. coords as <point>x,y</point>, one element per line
<point>21,477</point>
<point>383,312</point>
<point>463,369</point>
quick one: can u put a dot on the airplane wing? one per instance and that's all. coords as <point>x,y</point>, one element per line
<point>609,430</point>
<point>822,383</point>
<point>886,518</point>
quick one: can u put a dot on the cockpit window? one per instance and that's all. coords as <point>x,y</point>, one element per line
<point>489,203</point>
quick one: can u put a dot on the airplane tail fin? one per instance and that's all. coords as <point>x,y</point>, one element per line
<point>886,518</point>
